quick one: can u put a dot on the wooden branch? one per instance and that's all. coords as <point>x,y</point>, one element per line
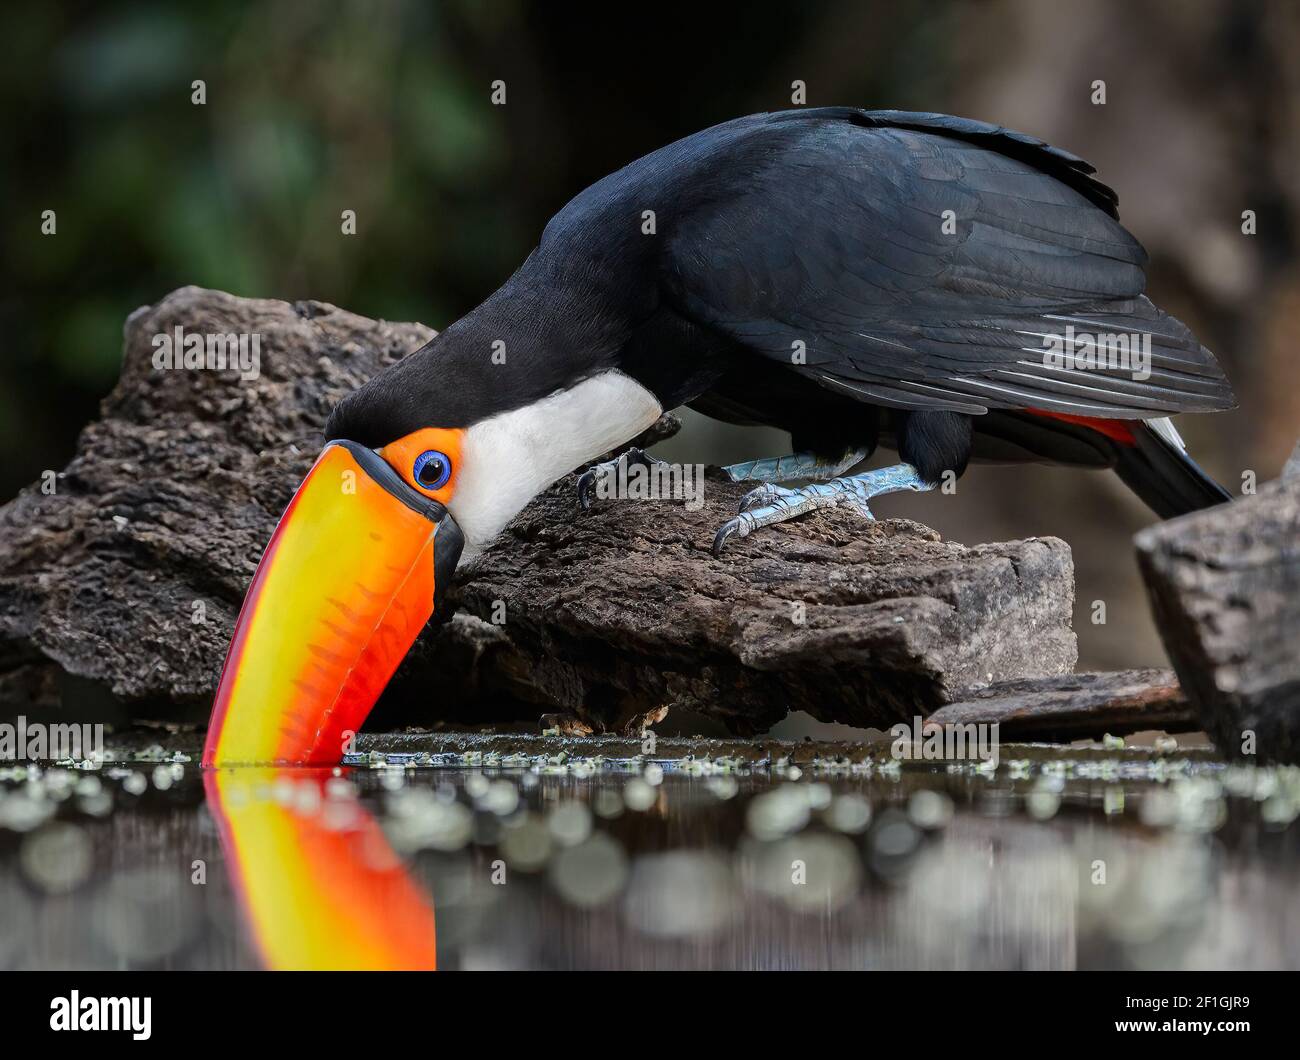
<point>1077,707</point>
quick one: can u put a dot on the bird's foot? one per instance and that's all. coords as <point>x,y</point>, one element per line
<point>768,504</point>
<point>595,474</point>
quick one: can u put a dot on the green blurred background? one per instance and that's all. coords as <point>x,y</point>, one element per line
<point>385,108</point>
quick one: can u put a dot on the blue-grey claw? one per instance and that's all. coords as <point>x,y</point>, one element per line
<point>587,480</point>
<point>586,483</point>
<point>738,526</point>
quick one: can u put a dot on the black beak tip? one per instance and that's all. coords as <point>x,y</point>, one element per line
<point>447,548</point>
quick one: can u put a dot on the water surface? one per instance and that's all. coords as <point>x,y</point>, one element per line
<point>517,852</point>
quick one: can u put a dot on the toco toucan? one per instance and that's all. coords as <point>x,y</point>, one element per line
<point>947,287</point>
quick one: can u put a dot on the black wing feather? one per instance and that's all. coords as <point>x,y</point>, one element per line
<point>836,242</point>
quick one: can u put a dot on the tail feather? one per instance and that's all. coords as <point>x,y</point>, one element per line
<point>1157,468</point>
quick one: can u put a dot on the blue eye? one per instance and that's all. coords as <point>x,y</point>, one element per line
<point>432,469</point>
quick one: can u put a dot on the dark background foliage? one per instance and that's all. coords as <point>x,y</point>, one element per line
<point>384,108</point>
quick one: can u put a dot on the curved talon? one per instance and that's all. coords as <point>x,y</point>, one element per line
<point>738,526</point>
<point>587,480</point>
<point>586,483</point>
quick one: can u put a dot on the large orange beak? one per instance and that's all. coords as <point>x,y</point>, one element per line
<point>344,587</point>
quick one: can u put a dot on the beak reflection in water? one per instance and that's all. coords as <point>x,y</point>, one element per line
<point>320,887</point>
<point>344,587</point>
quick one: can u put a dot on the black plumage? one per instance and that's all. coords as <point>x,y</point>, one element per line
<point>794,269</point>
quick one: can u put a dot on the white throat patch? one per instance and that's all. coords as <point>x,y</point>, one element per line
<point>509,458</point>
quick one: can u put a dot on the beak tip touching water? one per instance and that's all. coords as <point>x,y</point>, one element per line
<point>351,575</point>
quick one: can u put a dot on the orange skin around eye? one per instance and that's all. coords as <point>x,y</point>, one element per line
<point>401,455</point>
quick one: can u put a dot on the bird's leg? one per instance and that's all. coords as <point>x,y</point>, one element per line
<point>770,504</point>
<point>588,479</point>
<point>773,469</point>
<point>765,471</point>
<point>796,465</point>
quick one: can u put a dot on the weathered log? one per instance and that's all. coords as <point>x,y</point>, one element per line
<point>623,610</point>
<point>1076,706</point>
<point>1225,589</point>
<point>125,580</point>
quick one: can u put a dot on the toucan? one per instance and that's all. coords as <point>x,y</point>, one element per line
<point>948,288</point>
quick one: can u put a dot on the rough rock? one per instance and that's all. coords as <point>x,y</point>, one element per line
<point>623,609</point>
<point>122,585</point>
<point>1225,589</point>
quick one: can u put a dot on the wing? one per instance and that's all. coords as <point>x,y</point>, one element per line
<point>930,262</point>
